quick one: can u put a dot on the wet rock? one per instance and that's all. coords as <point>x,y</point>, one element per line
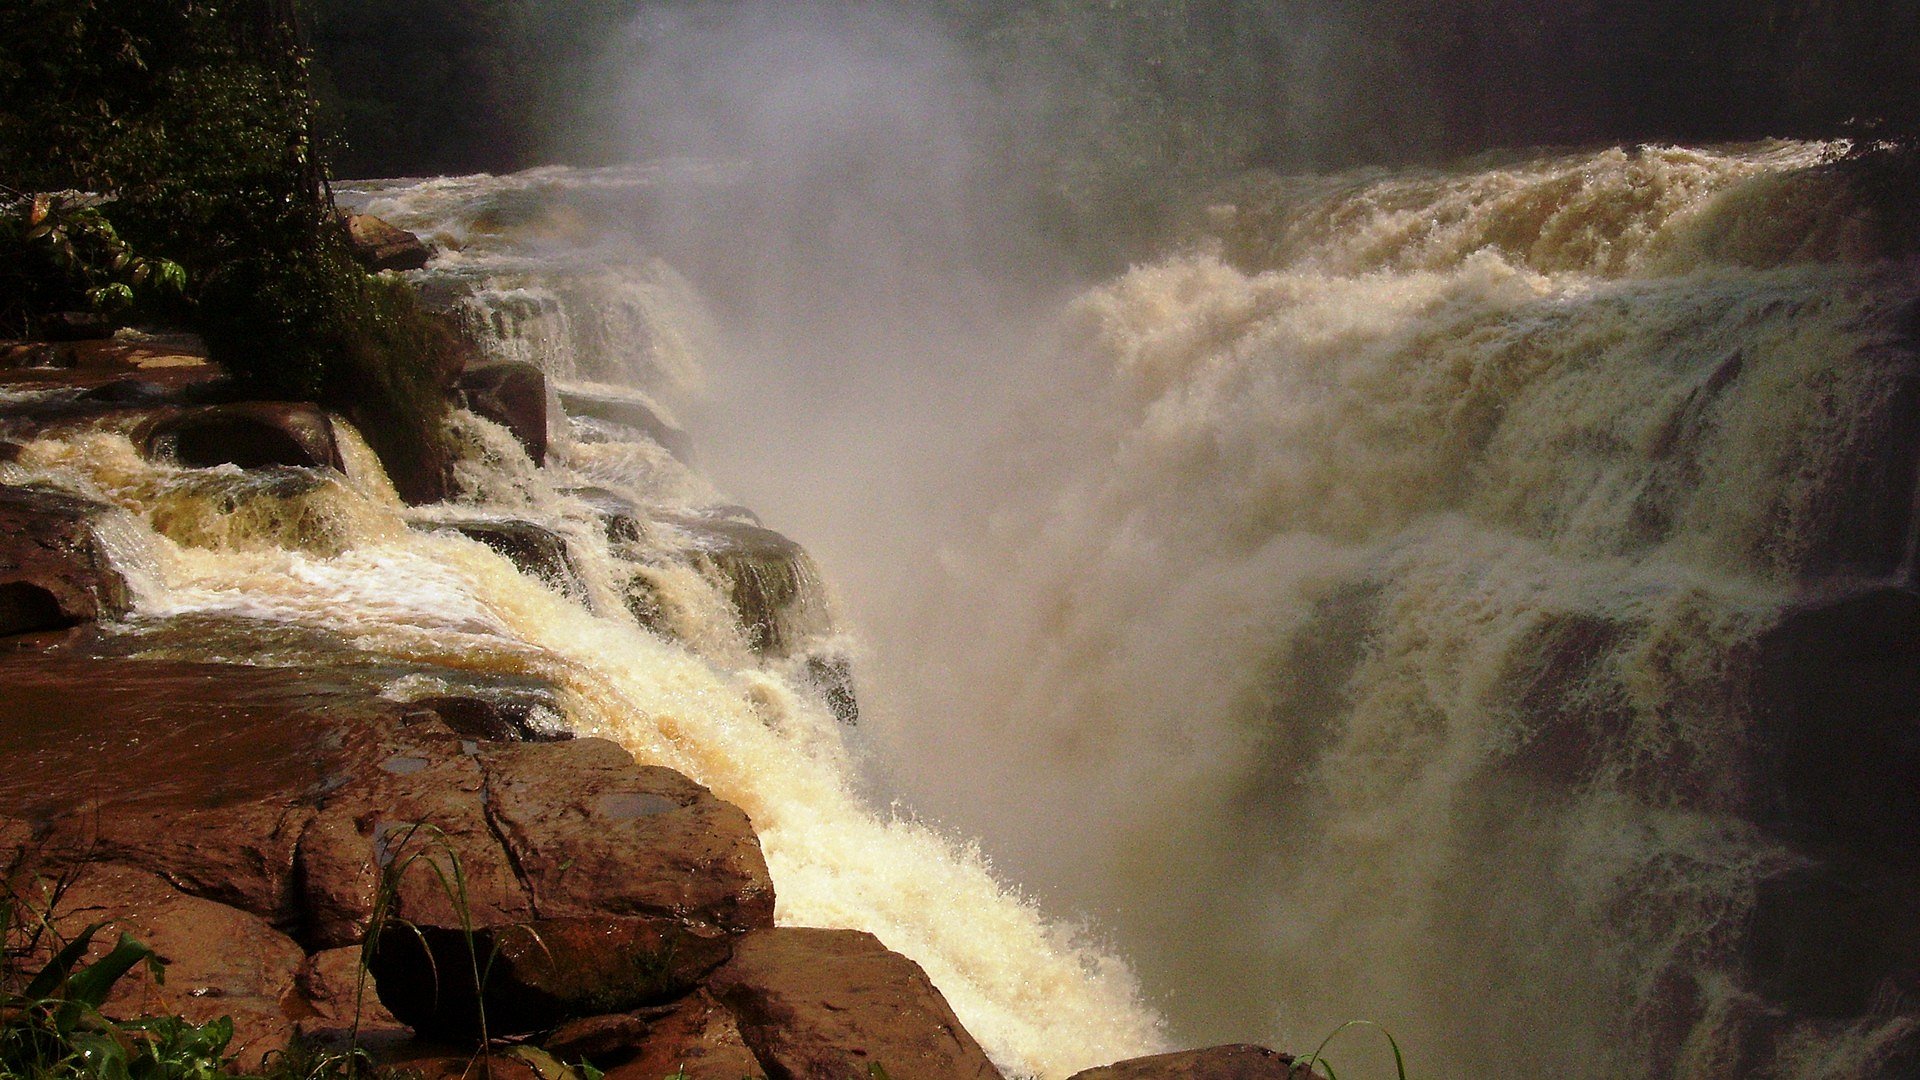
<point>346,1010</point>
<point>593,834</point>
<point>701,1040</point>
<point>220,961</point>
<point>129,392</point>
<point>772,582</point>
<point>607,1040</point>
<point>537,550</point>
<point>381,246</point>
<point>201,772</point>
<point>1236,1062</point>
<point>53,570</point>
<point>251,435</point>
<point>511,394</point>
<point>494,719</point>
<point>829,1003</point>
<point>538,974</point>
<point>1835,753</point>
<point>832,676</point>
<point>627,413</point>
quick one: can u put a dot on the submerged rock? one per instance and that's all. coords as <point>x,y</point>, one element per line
<point>627,413</point>
<point>536,550</point>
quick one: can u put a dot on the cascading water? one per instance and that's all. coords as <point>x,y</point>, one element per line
<point>1378,640</point>
<point>669,620</point>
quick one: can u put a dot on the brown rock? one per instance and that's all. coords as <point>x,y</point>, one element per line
<point>381,246</point>
<point>410,821</point>
<point>251,434</point>
<point>346,1009</point>
<point>200,772</point>
<point>540,974</point>
<point>53,570</point>
<point>511,394</point>
<point>701,1040</point>
<point>829,1003</point>
<point>594,834</point>
<point>605,1041</point>
<point>220,961</point>
<point>535,550</point>
<point>1238,1062</point>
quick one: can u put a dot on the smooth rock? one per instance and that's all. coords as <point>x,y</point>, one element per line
<point>381,246</point>
<point>1234,1062</point>
<point>511,394</point>
<point>605,1041</point>
<point>830,1003</point>
<point>53,570</point>
<point>251,435</point>
<point>772,582</point>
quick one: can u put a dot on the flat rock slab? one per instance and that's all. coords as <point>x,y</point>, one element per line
<point>831,1003</point>
<point>699,1040</point>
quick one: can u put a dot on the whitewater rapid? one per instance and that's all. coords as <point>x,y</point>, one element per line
<point>1374,637</point>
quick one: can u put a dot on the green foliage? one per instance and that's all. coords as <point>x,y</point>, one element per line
<point>1315,1060</point>
<point>51,1026</point>
<point>60,256</point>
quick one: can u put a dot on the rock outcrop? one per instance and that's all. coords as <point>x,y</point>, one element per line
<point>511,394</point>
<point>54,572</point>
<point>381,246</point>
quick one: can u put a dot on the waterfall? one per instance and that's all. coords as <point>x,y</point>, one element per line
<point>1381,637</point>
<point>669,620</point>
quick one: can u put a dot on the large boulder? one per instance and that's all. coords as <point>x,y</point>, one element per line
<point>381,246</point>
<point>1235,1062</point>
<point>831,1003</point>
<point>592,833</point>
<point>251,435</point>
<point>53,570</point>
<point>511,394</point>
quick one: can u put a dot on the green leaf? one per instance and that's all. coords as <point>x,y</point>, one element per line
<point>50,978</point>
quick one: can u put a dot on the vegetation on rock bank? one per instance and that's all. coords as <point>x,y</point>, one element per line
<point>192,122</point>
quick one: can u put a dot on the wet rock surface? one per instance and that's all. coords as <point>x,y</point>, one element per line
<point>535,549</point>
<point>54,572</point>
<point>250,435</point>
<point>511,394</point>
